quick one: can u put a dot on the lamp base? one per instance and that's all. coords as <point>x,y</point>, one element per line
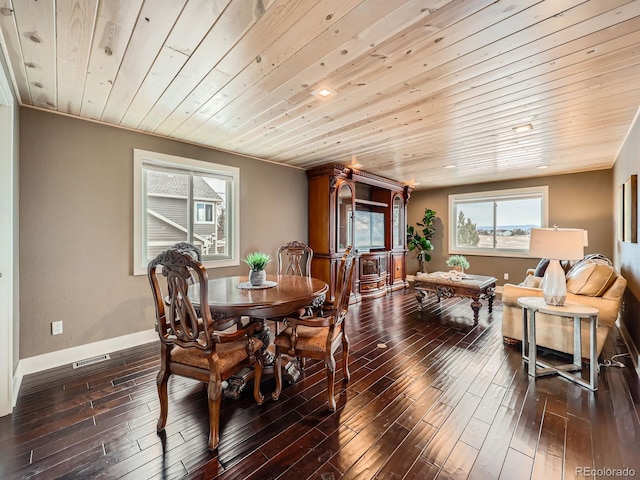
<point>554,290</point>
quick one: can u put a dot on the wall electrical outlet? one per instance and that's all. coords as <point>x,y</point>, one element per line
<point>56,328</point>
<point>506,276</point>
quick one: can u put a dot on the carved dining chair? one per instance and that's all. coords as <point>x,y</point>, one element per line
<point>192,343</point>
<point>319,337</point>
<point>294,258</point>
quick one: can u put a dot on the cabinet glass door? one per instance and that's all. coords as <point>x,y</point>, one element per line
<point>345,216</point>
<point>398,223</point>
<point>369,266</point>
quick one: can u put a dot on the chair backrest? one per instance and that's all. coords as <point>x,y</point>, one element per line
<point>343,285</point>
<point>186,247</point>
<point>178,322</point>
<point>297,256</point>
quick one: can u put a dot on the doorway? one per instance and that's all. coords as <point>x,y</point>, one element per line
<point>8,247</point>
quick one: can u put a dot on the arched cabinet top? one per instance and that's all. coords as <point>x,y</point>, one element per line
<point>338,171</point>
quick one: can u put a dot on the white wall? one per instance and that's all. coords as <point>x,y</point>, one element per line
<point>9,318</point>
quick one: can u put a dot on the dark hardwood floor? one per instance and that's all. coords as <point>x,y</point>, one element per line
<point>431,396</point>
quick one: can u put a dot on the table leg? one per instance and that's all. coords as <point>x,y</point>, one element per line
<point>593,361</point>
<point>525,335</point>
<point>475,305</point>
<point>491,297</point>
<point>577,342</point>
<point>263,332</point>
<point>237,383</point>
<point>420,295</point>
<point>532,343</point>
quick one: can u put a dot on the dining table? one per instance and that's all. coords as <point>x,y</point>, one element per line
<point>281,295</point>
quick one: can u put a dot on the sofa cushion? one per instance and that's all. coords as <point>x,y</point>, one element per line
<point>590,279</point>
<point>591,258</point>
<point>541,268</point>
<point>531,281</point>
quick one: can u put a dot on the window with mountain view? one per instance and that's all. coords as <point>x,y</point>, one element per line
<point>496,222</point>
<point>184,200</point>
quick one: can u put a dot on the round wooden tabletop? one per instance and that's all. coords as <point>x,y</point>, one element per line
<point>290,294</point>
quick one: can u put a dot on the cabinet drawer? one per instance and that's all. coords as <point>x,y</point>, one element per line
<point>368,286</point>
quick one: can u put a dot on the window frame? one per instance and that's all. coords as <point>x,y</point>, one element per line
<point>541,191</point>
<point>189,166</point>
<point>204,203</point>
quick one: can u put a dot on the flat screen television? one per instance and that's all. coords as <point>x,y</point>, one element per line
<point>369,230</point>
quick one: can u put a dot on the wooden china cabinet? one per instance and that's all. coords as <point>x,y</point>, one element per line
<point>351,207</point>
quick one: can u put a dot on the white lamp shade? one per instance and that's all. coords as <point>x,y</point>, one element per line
<point>557,243</point>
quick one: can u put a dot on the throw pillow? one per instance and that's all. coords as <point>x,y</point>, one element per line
<point>544,263</point>
<point>531,281</point>
<point>590,279</point>
<point>541,268</point>
<point>591,258</point>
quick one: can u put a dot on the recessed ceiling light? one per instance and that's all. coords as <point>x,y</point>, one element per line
<point>449,166</point>
<point>324,92</point>
<point>523,128</point>
<point>542,167</point>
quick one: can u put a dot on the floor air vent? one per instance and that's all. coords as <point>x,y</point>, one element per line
<point>92,360</point>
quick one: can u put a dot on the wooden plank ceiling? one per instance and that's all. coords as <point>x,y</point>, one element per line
<point>427,92</point>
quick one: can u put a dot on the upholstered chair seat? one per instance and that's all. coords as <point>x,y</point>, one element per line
<point>229,355</point>
<point>313,339</point>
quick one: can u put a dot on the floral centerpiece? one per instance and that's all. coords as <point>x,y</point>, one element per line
<point>257,262</point>
<point>458,262</point>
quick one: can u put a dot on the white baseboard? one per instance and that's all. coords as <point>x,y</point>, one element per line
<point>633,351</point>
<point>46,361</point>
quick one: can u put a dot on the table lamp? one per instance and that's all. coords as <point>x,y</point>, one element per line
<point>556,244</point>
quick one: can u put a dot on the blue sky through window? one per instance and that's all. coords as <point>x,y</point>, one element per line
<point>509,213</point>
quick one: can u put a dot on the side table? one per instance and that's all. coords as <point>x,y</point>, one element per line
<point>531,305</point>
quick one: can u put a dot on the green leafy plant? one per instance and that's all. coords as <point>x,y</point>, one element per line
<point>257,260</point>
<point>422,242</point>
<point>457,261</point>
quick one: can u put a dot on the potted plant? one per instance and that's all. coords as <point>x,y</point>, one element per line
<point>257,262</point>
<point>422,243</point>
<point>458,262</point>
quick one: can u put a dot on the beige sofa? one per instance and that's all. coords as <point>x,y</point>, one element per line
<point>593,283</point>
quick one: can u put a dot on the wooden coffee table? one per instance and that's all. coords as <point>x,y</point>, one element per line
<point>475,287</point>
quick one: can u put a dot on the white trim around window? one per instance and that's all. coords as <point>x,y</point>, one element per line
<point>143,160</point>
<point>502,219</point>
<point>204,212</point>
